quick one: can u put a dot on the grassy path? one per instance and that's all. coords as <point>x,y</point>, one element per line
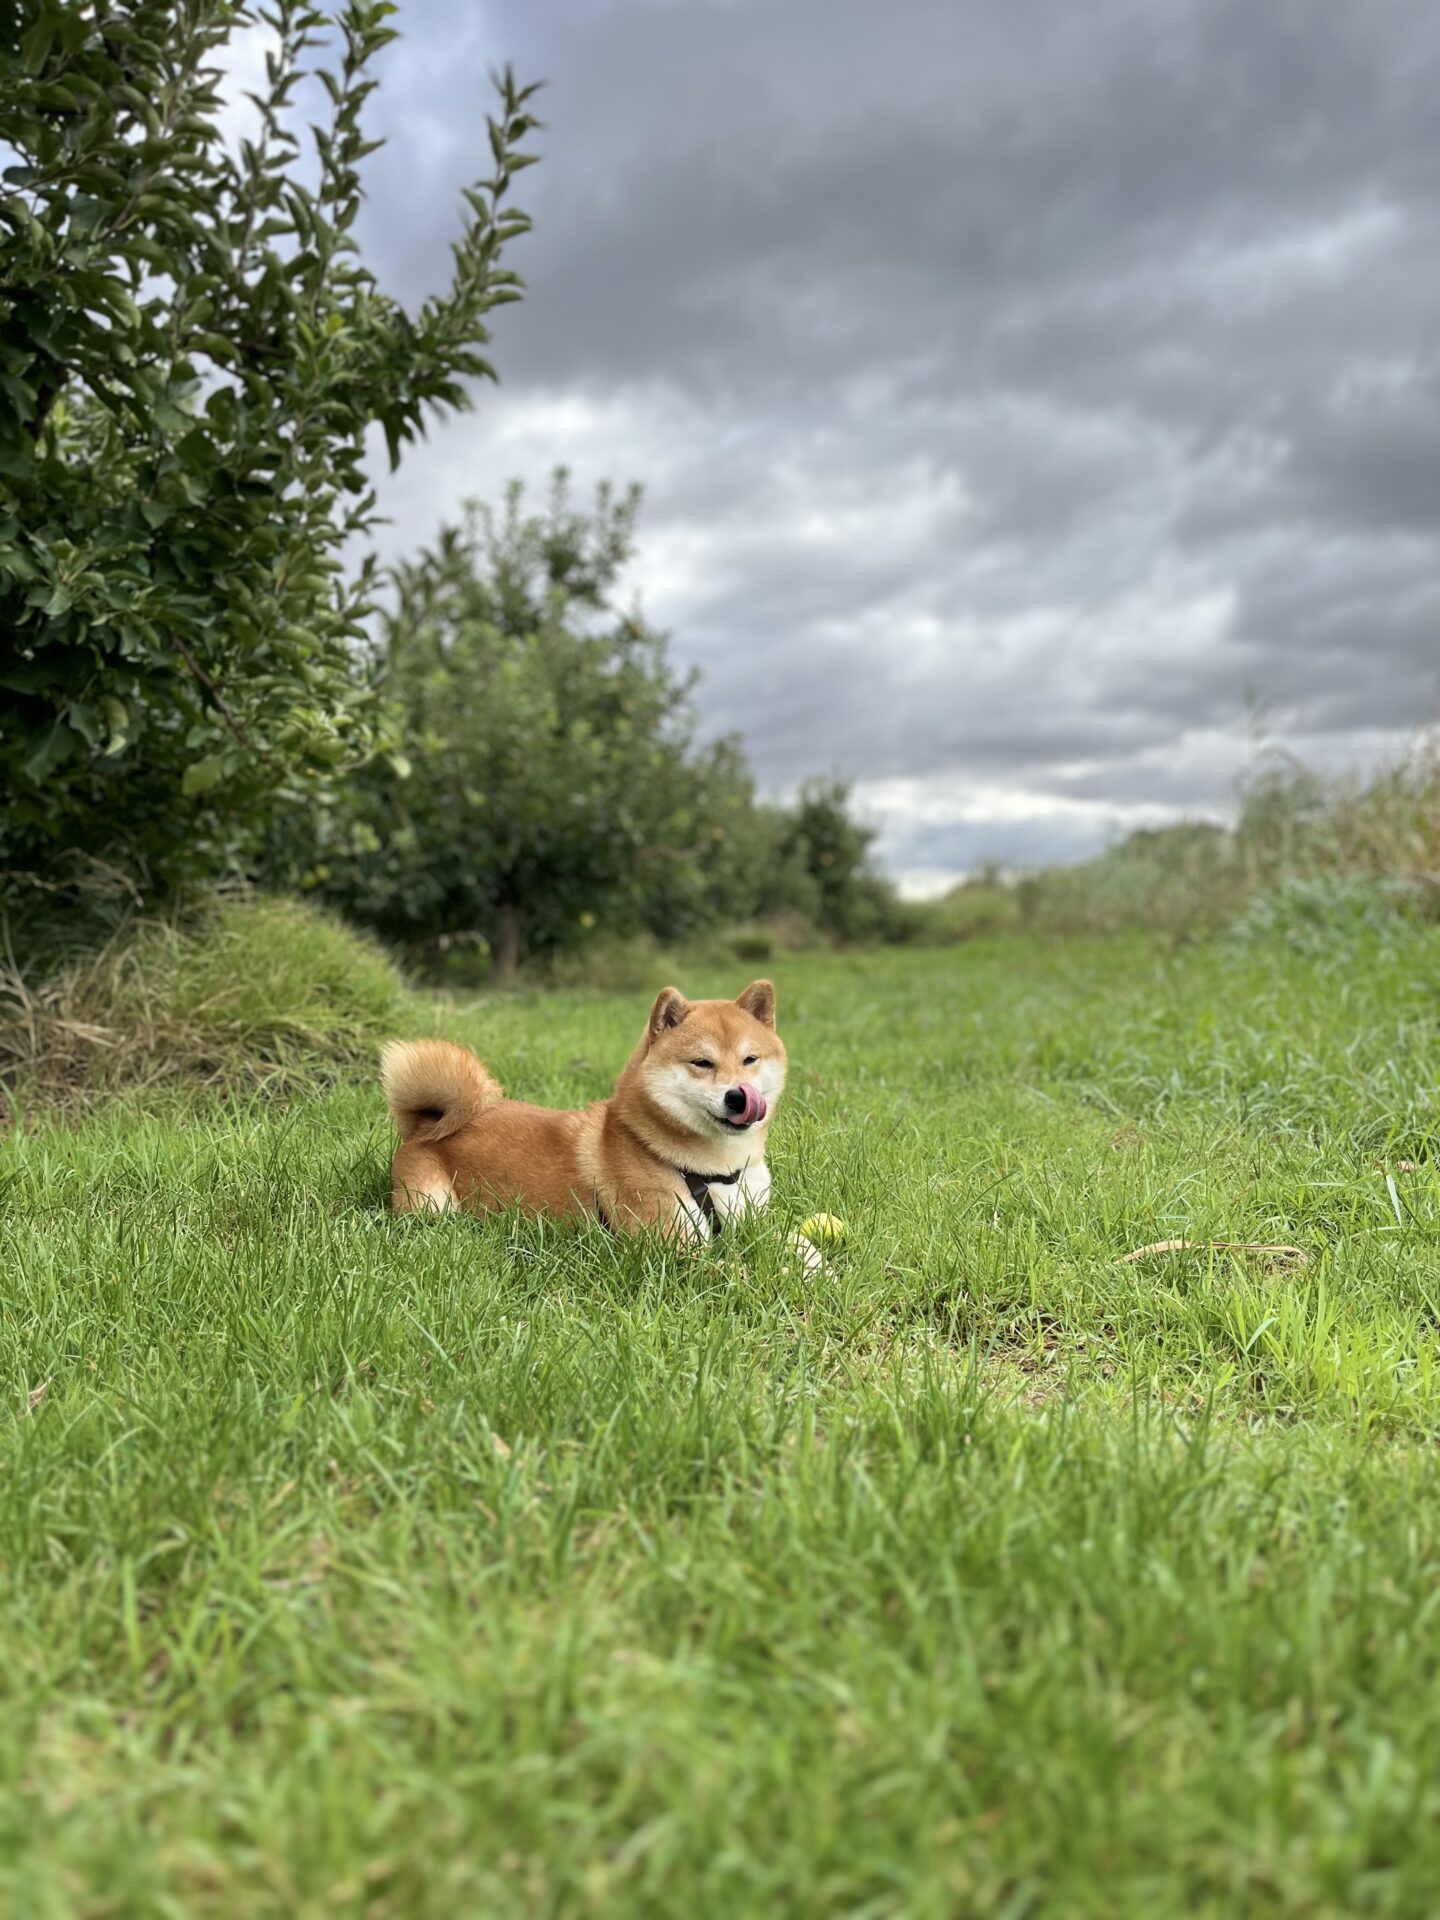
<point>361,1566</point>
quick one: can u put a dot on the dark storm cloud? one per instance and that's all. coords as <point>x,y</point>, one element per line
<point>1016,387</point>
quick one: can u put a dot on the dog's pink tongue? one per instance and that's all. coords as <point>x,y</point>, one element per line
<point>754,1104</point>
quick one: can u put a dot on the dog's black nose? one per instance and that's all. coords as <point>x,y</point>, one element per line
<point>734,1100</point>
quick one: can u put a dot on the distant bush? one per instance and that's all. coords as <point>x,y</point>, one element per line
<point>552,788</point>
<point>251,993</point>
<point>1305,859</point>
<point>783,931</point>
<point>552,791</point>
<point>1173,879</point>
<point>984,904</point>
<point>819,865</point>
<point>1310,911</point>
<point>629,963</point>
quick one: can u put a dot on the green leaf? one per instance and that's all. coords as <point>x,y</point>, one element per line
<point>57,747</point>
<point>201,776</point>
<point>117,722</point>
<point>36,44</point>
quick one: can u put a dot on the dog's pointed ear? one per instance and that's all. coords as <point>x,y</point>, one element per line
<point>758,1000</point>
<point>669,1010</point>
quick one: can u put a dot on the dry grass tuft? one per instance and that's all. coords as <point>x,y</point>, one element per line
<point>255,993</point>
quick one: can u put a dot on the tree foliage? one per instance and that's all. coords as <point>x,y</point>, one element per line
<point>551,785</point>
<point>821,864</point>
<point>192,353</point>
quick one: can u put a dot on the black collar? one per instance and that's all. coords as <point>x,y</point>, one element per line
<point>700,1185</point>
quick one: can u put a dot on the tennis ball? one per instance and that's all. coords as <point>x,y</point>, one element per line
<point>824,1230</point>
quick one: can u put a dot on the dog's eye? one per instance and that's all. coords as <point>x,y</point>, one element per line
<point>750,1059</point>
<point>707,1064</point>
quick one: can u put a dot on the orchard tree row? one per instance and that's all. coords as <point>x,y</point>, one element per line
<point>193,354</point>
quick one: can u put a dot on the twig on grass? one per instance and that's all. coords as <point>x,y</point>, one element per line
<point>1298,1254</point>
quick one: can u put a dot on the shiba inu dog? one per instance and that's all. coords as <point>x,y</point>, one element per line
<point>678,1146</point>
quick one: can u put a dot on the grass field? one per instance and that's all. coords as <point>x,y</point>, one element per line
<point>352,1565</point>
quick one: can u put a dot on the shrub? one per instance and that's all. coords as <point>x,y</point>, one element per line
<point>1306,860</point>
<point>1313,911</point>
<point>553,789</point>
<point>821,865</point>
<point>1176,879</point>
<point>1386,828</point>
<point>191,356</point>
<point>987,903</point>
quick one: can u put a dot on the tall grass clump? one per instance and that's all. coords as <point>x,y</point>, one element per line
<point>1386,829</point>
<point>251,993</point>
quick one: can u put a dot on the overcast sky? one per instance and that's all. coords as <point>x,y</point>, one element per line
<point>1016,385</point>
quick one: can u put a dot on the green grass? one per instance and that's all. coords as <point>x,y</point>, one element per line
<point>352,1565</point>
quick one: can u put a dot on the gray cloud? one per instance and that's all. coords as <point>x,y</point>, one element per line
<point>1016,387</point>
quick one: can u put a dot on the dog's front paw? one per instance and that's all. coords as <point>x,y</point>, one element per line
<point>812,1261</point>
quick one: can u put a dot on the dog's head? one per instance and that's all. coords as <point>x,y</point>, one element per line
<point>717,1067</point>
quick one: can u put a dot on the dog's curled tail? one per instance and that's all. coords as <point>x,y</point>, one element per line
<point>433,1087</point>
